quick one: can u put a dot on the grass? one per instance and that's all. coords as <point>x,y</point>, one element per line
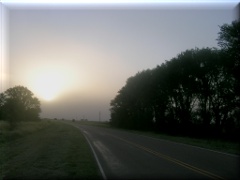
<point>94,123</point>
<point>45,150</point>
<point>22,129</point>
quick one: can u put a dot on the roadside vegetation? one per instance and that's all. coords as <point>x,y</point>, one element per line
<point>18,104</point>
<point>45,150</point>
<point>194,94</point>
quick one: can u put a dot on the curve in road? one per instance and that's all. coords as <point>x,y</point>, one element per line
<point>121,154</point>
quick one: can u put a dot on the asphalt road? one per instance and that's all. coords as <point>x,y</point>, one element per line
<point>124,155</point>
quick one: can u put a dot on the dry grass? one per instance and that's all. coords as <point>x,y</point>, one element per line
<point>45,150</point>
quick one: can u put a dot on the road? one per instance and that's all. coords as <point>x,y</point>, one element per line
<point>124,155</point>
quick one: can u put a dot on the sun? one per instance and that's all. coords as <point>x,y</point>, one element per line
<point>49,83</point>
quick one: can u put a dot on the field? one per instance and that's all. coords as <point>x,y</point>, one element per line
<point>45,150</point>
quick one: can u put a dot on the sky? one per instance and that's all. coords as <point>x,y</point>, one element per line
<point>75,58</point>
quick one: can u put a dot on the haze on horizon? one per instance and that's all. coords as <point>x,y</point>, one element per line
<point>76,60</point>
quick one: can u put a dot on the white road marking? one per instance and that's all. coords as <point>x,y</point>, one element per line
<point>98,162</point>
<point>109,157</point>
<point>85,132</point>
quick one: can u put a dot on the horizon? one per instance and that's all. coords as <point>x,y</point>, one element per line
<point>76,60</point>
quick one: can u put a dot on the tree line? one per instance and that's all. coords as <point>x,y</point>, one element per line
<point>18,104</point>
<point>196,93</point>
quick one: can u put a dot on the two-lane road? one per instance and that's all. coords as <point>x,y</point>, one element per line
<point>122,155</point>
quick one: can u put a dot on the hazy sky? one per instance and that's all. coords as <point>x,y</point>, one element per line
<point>76,59</point>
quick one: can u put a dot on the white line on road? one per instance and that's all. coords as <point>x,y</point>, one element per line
<point>95,155</point>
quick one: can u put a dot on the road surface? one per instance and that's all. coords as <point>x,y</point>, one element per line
<point>124,155</point>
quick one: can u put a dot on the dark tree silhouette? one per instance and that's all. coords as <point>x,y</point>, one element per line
<point>195,93</point>
<point>192,94</point>
<point>132,107</point>
<point>19,104</point>
<point>229,41</point>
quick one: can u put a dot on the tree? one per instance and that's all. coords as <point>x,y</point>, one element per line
<point>18,104</point>
<point>195,93</point>
<point>159,96</point>
<point>2,102</point>
<point>229,41</point>
<point>132,108</point>
<point>191,94</point>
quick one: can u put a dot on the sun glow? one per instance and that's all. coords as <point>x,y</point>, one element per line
<point>49,83</point>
